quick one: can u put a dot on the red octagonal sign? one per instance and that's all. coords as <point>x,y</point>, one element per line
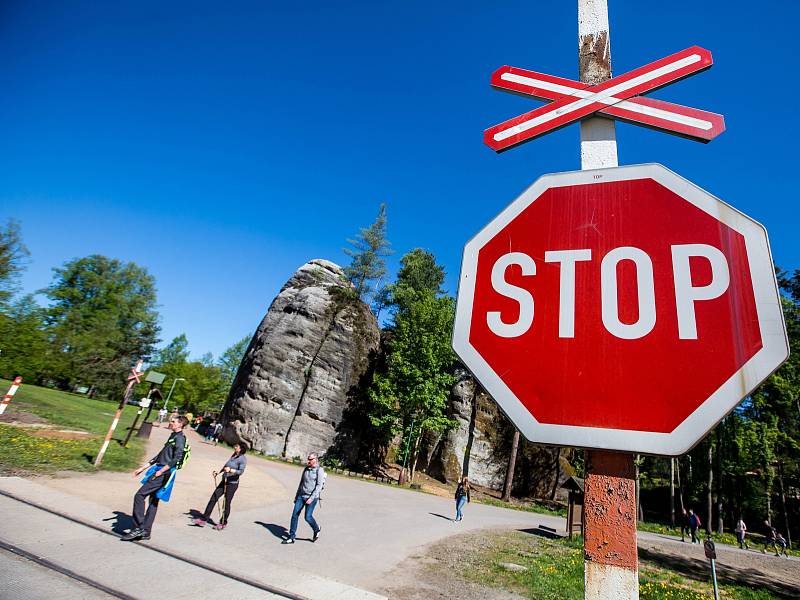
<point>624,309</point>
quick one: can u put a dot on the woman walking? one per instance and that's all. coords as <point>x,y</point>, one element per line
<point>227,487</point>
<point>462,496</point>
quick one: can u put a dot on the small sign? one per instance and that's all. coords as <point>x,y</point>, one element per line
<point>155,377</point>
<point>711,551</point>
<point>144,402</point>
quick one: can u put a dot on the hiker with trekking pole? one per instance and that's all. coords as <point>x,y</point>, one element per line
<point>226,487</point>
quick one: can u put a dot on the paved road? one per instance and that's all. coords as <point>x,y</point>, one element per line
<point>367,529</point>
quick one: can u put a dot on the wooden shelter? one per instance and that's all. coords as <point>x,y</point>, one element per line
<point>574,485</point>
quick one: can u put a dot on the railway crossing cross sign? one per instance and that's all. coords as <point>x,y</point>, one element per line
<point>620,309</point>
<point>617,98</point>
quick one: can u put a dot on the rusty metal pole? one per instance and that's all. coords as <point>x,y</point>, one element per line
<point>609,544</point>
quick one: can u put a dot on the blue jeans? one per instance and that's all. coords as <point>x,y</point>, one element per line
<point>299,503</point>
<point>459,505</point>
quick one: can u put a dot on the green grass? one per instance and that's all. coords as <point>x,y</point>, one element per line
<point>28,449</point>
<point>554,571</point>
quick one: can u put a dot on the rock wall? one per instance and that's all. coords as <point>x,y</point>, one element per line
<point>471,447</point>
<point>303,366</point>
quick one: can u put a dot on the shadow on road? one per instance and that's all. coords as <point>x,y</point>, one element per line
<point>698,569</point>
<point>440,516</point>
<point>122,522</point>
<point>279,531</point>
<point>544,532</point>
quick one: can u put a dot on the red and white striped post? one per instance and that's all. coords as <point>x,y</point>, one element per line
<point>133,379</point>
<point>10,394</point>
<point>609,534</point>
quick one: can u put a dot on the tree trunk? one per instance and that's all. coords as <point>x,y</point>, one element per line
<point>783,505</point>
<point>416,455</point>
<point>710,503</point>
<point>672,492</point>
<point>680,485</point>
<point>512,461</point>
<point>720,522</point>
<point>558,474</point>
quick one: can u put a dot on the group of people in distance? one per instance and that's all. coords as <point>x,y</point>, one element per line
<point>160,475</point>
<point>773,538</point>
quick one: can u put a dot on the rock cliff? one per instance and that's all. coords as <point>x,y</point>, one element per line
<point>304,366</point>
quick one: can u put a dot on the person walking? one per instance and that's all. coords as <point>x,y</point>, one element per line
<point>770,537</point>
<point>694,525</point>
<point>210,431</point>
<point>741,532</point>
<point>217,432</point>
<point>462,497</point>
<point>780,542</point>
<point>162,414</point>
<point>684,524</point>
<point>227,486</point>
<point>312,481</point>
<point>167,459</point>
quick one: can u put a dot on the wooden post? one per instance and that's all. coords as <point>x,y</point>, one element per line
<point>609,509</point>
<point>512,461</point>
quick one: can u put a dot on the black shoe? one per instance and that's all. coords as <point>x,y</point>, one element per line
<point>316,534</point>
<point>135,534</point>
<point>288,541</point>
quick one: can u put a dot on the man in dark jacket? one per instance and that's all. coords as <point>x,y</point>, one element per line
<point>169,457</point>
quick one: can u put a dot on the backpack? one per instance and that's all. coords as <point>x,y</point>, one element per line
<point>187,451</point>
<point>324,481</point>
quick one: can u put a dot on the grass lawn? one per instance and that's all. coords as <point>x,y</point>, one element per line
<point>552,569</point>
<point>44,450</point>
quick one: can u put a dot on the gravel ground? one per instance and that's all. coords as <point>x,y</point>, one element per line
<point>433,572</point>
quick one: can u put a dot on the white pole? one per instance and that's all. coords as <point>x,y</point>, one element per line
<point>174,381</point>
<point>609,483</point>
<point>598,135</point>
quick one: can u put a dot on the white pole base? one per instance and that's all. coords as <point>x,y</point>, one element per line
<point>607,582</point>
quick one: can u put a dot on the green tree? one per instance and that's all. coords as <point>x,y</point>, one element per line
<point>410,392</point>
<point>12,256</point>
<point>176,352</point>
<point>229,361</point>
<point>24,340</point>
<point>368,257</point>
<point>418,273</point>
<point>102,318</point>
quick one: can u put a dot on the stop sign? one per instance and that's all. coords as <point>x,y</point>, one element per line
<point>624,309</point>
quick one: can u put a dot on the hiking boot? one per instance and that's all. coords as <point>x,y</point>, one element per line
<point>135,534</point>
<point>199,522</point>
<point>316,534</point>
<point>288,541</point>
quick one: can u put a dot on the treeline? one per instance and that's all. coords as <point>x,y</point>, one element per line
<point>748,466</point>
<point>100,316</point>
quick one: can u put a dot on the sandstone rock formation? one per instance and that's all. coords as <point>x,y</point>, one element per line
<point>471,447</point>
<point>303,366</point>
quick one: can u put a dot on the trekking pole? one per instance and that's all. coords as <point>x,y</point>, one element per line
<point>224,500</point>
<point>219,510</point>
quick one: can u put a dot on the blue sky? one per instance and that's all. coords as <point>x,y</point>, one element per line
<point>221,147</point>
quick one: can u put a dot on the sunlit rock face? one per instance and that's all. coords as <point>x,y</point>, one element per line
<point>304,366</point>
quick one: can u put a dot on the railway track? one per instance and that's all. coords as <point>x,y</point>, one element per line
<point>255,589</point>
